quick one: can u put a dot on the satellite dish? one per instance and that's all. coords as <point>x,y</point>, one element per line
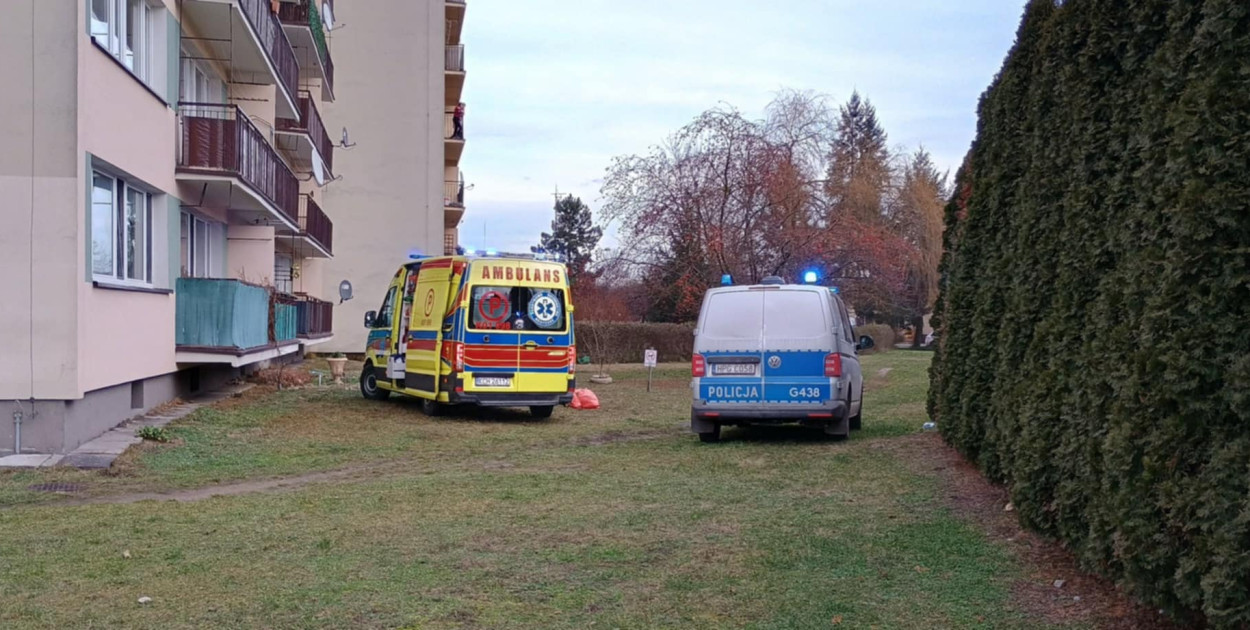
<point>347,140</point>
<point>345,291</point>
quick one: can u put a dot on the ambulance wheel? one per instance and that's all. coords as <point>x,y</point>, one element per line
<point>857,420</point>
<point>369,384</point>
<point>711,437</point>
<point>431,408</point>
<point>542,412</point>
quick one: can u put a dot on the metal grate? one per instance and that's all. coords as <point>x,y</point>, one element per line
<point>58,487</point>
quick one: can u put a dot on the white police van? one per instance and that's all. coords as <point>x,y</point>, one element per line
<point>775,353</point>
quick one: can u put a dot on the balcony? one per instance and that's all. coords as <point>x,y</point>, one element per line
<point>306,140</point>
<point>453,66</point>
<point>304,26</point>
<point>246,36</point>
<point>453,202</point>
<point>314,318</point>
<point>316,231</point>
<point>221,149</point>
<point>453,145</point>
<point>229,321</point>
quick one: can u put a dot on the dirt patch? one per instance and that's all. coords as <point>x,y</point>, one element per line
<point>1080,598</point>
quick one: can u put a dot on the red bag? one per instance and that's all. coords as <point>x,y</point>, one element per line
<point>584,399</point>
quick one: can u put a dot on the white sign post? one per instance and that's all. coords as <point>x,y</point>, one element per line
<point>650,358</point>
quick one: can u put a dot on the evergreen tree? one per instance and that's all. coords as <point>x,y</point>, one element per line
<point>573,235</point>
<point>859,163</point>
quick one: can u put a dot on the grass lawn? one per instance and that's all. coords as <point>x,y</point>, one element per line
<point>617,518</point>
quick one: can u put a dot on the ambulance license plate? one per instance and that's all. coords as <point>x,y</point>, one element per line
<point>747,369</point>
<point>492,381</point>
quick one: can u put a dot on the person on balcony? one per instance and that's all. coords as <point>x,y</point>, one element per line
<point>457,121</point>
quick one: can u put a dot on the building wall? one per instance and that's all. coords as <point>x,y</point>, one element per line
<point>249,254</point>
<point>389,87</point>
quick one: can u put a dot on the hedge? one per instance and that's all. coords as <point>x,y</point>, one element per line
<point>883,337</point>
<point>624,342</point>
<point>1096,288</point>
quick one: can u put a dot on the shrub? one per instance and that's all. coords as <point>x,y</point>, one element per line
<point>153,434</point>
<point>1095,286</point>
<point>624,342</point>
<point>883,337</point>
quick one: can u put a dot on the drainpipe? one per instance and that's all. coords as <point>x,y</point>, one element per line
<point>17,429</point>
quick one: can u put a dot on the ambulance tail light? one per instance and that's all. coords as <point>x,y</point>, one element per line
<point>833,365</point>
<point>459,357</point>
<point>698,366</point>
<point>572,359</point>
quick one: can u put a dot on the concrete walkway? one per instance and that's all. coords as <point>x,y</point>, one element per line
<point>100,452</point>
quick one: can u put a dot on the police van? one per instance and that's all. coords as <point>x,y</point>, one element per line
<point>493,331</point>
<point>776,353</point>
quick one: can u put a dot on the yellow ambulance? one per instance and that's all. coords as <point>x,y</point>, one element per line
<point>494,331</point>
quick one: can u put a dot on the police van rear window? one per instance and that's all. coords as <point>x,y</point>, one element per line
<point>517,308</point>
<point>734,315</point>
<point>795,314</point>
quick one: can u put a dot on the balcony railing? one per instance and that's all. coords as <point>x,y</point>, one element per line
<point>453,194</point>
<point>222,315</point>
<point>314,223</point>
<point>314,318</point>
<point>305,13</point>
<point>221,140</point>
<point>455,58</point>
<point>310,123</point>
<point>259,14</point>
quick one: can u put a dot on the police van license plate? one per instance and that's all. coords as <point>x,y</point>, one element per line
<point>492,381</point>
<point>738,369</point>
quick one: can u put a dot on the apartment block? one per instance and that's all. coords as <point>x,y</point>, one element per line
<point>167,176</point>
<point>402,192</point>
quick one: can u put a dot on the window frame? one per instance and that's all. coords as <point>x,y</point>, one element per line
<point>117,28</point>
<point>119,232</point>
<point>197,228</point>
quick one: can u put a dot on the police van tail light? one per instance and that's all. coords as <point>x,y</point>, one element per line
<point>833,365</point>
<point>698,366</point>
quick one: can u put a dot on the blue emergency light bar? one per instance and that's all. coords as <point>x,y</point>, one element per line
<point>726,280</point>
<point>810,277</point>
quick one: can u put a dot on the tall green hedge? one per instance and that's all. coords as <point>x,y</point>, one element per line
<point>1095,355</point>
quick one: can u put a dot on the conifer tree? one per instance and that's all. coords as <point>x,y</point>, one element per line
<point>573,235</point>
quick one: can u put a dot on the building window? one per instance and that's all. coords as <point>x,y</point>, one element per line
<point>283,281</point>
<point>127,30</point>
<point>198,240</point>
<point>121,234</point>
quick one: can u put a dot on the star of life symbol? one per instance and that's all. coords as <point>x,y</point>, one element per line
<point>545,309</point>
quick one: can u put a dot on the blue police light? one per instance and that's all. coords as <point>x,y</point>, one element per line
<point>835,289</point>
<point>469,251</point>
<point>415,254</point>
<point>726,280</point>
<point>810,277</point>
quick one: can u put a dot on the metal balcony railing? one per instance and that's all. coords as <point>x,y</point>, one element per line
<point>259,14</point>
<point>305,13</point>
<point>310,123</point>
<point>221,140</point>
<point>316,225</point>
<point>455,58</point>
<point>314,318</point>
<point>453,194</point>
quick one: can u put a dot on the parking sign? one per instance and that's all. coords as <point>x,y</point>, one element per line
<point>650,357</point>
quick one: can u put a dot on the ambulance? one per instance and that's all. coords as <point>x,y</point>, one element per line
<point>493,331</point>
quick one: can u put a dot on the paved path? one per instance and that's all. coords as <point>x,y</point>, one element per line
<point>100,452</point>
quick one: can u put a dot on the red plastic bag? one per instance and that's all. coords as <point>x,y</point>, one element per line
<point>584,399</point>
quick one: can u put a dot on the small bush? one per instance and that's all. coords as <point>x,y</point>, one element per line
<point>284,377</point>
<point>882,335</point>
<point>153,434</point>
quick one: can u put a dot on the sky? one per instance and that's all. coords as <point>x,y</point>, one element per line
<point>557,88</point>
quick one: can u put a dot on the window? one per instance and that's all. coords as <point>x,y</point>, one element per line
<point>737,315</point>
<point>847,332</point>
<point>517,308</point>
<point>383,320</point>
<point>197,84</point>
<point>198,240</point>
<point>127,30</point>
<point>282,276</point>
<point>794,314</point>
<point>121,230</point>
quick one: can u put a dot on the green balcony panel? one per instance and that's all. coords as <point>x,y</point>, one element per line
<point>224,314</point>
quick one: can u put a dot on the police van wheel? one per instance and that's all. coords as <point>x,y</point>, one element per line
<point>369,384</point>
<point>711,437</point>
<point>857,420</point>
<point>431,408</point>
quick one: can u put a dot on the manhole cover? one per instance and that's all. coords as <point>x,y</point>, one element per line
<point>65,488</point>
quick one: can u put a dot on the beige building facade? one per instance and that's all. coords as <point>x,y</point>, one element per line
<point>402,193</point>
<point>167,223</point>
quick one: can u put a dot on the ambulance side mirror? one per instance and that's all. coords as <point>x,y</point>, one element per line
<point>369,318</point>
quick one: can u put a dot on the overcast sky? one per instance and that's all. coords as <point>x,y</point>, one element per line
<point>557,88</point>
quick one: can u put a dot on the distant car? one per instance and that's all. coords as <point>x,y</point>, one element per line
<point>775,353</point>
<point>930,339</point>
